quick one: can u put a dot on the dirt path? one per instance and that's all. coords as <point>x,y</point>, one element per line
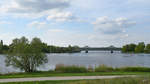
<point>59,78</point>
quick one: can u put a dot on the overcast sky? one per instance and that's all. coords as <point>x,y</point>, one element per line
<point>95,23</point>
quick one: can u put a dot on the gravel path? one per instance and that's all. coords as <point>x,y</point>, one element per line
<point>59,78</point>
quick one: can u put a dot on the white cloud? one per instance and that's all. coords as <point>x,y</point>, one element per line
<point>109,26</point>
<point>61,16</point>
<point>37,24</point>
<point>34,6</point>
<point>31,8</point>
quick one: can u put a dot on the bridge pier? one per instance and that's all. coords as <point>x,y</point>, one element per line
<point>112,51</point>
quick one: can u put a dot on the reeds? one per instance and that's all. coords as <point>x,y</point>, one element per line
<point>100,68</point>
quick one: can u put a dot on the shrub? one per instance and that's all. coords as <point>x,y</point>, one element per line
<point>70,68</point>
<point>59,67</point>
<point>103,68</point>
<point>90,69</point>
<point>134,69</point>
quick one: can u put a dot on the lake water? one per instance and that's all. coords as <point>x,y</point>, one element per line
<point>93,58</point>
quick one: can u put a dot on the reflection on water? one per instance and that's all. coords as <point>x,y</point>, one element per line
<point>93,58</point>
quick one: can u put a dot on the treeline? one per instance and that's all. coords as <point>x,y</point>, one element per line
<point>3,48</point>
<point>45,48</point>
<point>55,49</point>
<point>139,48</point>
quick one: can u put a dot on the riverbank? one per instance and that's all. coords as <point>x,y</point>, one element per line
<point>73,70</point>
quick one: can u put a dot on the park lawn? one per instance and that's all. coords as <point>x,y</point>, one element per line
<point>56,74</point>
<point>138,80</point>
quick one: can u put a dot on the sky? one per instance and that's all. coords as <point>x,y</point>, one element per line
<point>96,23</point>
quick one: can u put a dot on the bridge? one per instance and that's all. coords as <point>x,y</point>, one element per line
<point>111,48</point>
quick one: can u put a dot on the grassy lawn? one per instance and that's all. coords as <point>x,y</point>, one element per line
<point>52,74</point>
<point>141,80</point>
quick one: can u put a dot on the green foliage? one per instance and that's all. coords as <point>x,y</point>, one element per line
<point>45,48</point>
<point>147,49</point>
<point>133,48</point>
<point>140,48</point>
<point>55,49</point>
<point>133,69</point>
<point>5,49</point>
<point>70,69</point>
<point>1,46</point>
<point>129,48</point>
<point>26,55</point>
<point>103,68</point>
<point>100,68</point>
<point>58,74</point>
<point>69,49</point>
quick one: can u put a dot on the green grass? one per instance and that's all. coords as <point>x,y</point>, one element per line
<point>140,80</point>
<point>56,74</point>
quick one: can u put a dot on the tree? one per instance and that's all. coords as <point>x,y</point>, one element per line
<point>125,49</point>
<point>70,49</point>
<point>129,48</point>
<point>1,46</point>
<point>147,49</point>
<point>5,49</point>
<point>45,48</point>
<point>26,55</point>
<point>140,48</point>
<point>132,47</point>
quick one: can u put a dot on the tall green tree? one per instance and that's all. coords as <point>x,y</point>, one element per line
<point>26,55</point>
<point>140,48</point>
<point>125,49</point>
<point>129,48</point>
<point>132,47</point>
<point>147,49</point>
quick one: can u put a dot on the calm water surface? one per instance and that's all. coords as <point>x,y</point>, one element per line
<point>93,58</point>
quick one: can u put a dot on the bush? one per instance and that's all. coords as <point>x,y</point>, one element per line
<point>103,68</point>
<point>70,69</point>
<point>134,69</point>
<point>90,69</point>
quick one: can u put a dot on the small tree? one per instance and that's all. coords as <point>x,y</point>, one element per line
<point>26,55</point>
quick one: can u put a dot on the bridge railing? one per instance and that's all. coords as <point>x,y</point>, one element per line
<point>100,49</point>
